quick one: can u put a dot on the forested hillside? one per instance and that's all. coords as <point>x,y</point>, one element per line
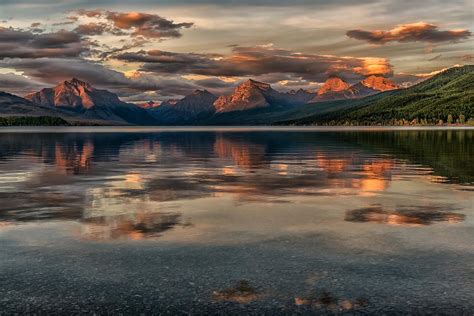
<point>445,98</point>
<point>32,121</point>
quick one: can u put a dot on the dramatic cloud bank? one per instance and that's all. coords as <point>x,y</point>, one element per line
<point>414,32</point>
<point>257,61</point>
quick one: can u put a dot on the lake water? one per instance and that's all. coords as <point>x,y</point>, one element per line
<point>236,220</point>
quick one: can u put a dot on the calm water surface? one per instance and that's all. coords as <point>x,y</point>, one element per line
<point>236,220</point>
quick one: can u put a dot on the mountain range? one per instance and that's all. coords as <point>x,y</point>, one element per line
<point>79,98</point>
<point>190,109</point>
<point>447,97</point>
<point>253,102</point>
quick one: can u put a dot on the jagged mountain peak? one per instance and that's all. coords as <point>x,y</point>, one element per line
<point>198,95</point>
<point>74,93</point>
<point>299,96</point>
<point>248,95</point>
<point>334,84</point>
<point>78,82</point>
<point>379,83</point>
<point>78,99</point>
<point>75,84</point>
<point>250,83</point>
<point>200,92</point>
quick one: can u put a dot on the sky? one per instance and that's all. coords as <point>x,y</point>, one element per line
<point>158,49</point>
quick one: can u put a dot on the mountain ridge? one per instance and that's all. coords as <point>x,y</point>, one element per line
<point>447,96</point>
<point>190,108</point>
<point>79,97</point>
<point>370,101</point>
<point>248,95</point>
<point>335,88</point>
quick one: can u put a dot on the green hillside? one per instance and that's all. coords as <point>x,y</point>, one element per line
<point>446,97</point>
<point>32,121</point>
<point>268,116</point>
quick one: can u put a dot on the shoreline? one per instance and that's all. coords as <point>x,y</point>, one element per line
<point>138,129</point>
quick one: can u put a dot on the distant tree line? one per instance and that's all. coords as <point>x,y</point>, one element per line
<point>377,120</point>
<point>32,121</point>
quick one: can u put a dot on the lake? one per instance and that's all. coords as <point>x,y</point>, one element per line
<point>236,220</point>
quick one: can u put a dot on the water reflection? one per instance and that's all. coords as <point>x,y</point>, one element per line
<point>143,185</point>
<point>405,215</point>
<point>134,226</point>
<point>75,159</point>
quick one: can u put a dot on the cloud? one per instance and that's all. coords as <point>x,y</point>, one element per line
<point>54,70</point>
<point>257,61</point>
<point>435,57</point>
<point>414,32</point>
<point>90,13</point>
<point>17,43</point>
<point>135,42</point>
<point>140,24</point>
<point>69,20</point>
<point>175,86</point>
<point>467,57</point>
<point>92,28</point>
<point>407,80</point>
<point>42,72</point>
<point>34,43</point>
<point>18,84</point>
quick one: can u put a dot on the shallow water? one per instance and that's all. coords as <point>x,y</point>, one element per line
<point>170,220</point>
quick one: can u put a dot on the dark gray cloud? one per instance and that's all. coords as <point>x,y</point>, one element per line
<point>174,86</point>
<point>92,28</point>
<point>134,43</point>
<point>413,32</point>
<point>257,61</point>
<point>19,85</point>
<point>18,43</point>
<point>54,70</point>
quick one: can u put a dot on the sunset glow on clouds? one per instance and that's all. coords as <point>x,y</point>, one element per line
<point>414,32</point>
<point>161,49</point>
<point>140,24</point>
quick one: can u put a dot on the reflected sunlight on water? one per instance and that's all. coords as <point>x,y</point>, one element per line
<point>141,185</point>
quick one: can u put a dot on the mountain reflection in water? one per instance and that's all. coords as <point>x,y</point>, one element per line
<point>142,185</point>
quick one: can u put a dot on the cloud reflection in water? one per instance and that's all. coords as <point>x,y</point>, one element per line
<point>142,185</point>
